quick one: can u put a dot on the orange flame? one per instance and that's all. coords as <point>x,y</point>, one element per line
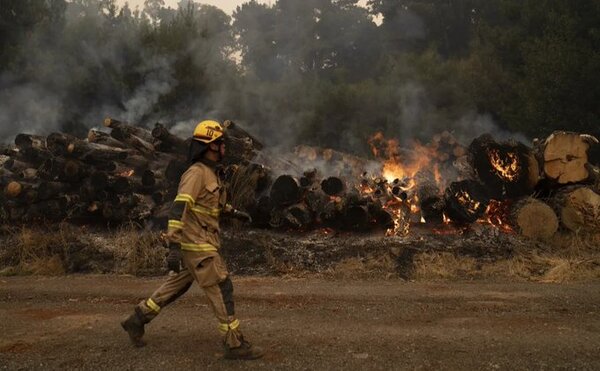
<point>127,173</point>
<point>507,166</point>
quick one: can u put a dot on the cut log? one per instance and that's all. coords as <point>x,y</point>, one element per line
<point>236,131</point>
<point>48,190</point>
<point>564,156</point>
<point>128,129</point>
<point>100,137</point>
<point>28,174</point>
<point>508,170</point>
<point>578,208</point>
<point>135,142</point>
<point>34,156</point>
<point>466,201</point>
<point>333,186</point>
<point>168,142</point>
<point>298,216</point>
<point>58,143</point>
<point>24,141</point>
<point>534,219</point>
<point>285,191</point>
<point>15,165</point>
<point>94,153</point>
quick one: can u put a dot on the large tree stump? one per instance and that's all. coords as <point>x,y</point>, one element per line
<point>564,156</point>
<point>578,208</point>
<point>534,219</point>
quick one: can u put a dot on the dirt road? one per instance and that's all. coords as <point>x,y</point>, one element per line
<point>308,324</point>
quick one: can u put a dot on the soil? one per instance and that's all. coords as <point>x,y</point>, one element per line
<point>72,322</point>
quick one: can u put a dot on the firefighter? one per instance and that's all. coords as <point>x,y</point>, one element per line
<point>193,241</point>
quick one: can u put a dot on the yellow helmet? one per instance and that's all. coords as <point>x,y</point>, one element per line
<point>208,131</point>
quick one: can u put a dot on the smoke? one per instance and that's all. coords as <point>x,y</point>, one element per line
<point>28,107</point>
<point>311,73</point>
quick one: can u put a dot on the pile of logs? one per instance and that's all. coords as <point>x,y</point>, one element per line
<point>531,191</point>
<point>127,173</point>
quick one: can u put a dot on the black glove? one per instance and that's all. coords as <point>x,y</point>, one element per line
<point>241,215</point>
<point>174,258</point>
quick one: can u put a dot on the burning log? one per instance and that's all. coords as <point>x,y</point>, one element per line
<point>285,191</point>
<point>578,208</point>
<point>100,137</point>
<point>564,156</point>
<point>534,219</point>
<point>127,130</point>
<point>506,169</point>
<point>430,200</point>
<point>167,142</point>
<point>466,201</point>
<point>333,186</point>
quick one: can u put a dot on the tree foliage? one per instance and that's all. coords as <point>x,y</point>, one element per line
<point>327,72</point>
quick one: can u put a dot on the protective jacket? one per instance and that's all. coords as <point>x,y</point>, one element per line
<point>194,217</point>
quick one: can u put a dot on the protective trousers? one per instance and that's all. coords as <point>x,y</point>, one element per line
<point>209,271</point>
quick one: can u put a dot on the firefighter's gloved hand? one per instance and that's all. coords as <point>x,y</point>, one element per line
<point>174,258</point>
<point>243,216</point>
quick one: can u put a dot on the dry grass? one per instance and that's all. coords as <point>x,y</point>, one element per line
<point>69,249</point>
<point>569,258</point>
<point>138,252</point>
<point>363,268</point>
<point>443,265</point>
<point>37,251</point>
<point>242,187</point>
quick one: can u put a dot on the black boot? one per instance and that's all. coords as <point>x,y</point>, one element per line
<point>134,325</point>
<point>244,352</point>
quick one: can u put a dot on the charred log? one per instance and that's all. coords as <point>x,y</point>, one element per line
<point>466,201</point>
<point>506,169</point>
<point>333,186</point>
<point>285,191</point>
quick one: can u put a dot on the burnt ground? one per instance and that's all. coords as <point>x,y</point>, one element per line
<point>71,322</point>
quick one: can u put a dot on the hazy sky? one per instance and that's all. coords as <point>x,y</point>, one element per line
<point>227,5</point>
